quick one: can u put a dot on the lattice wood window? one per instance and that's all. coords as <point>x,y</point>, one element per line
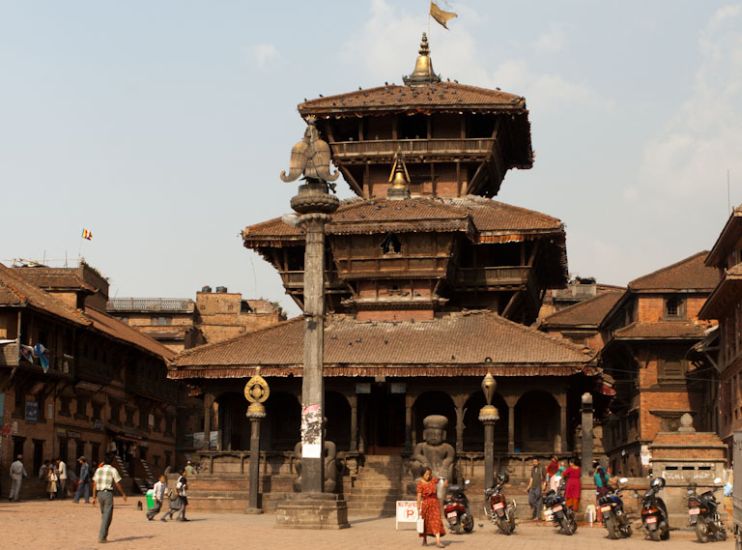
<point>672,371</point>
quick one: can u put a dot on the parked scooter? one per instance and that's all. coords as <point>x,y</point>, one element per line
<point>496,507</point>
<point>457,510</point>
<point>562,516</point>
<point>654,512</point>
<point>703,514</point>
<point>615,519</point>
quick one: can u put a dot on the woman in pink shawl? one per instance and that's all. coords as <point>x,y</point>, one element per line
<point>574,487</point>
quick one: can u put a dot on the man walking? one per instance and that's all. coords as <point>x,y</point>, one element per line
<point>536,487</point>
<point>104,480</point>
<point>17,473</point>
<point>83,487</point>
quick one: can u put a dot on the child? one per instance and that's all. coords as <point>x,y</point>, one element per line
<point>159,489</point>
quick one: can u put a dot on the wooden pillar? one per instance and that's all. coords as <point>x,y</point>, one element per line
<point>562,425</point>
<point>208,405</point>
<point>511,428</point>
<point>353,400</point>
<point>409,401</point>
<point>459,429</point>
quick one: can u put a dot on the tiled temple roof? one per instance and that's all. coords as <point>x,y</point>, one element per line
<point>458,344</point>
<point>588,313</point>
<point>688,274</point>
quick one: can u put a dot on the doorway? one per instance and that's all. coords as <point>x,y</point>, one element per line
<point>384,420</point>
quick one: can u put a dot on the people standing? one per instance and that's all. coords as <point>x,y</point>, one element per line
<point>601,478</point>
<point>535,489</point>
<point>105,479</point>
<point>62,474</point>
<point>189,469</point>
<point>159,495</point>
<point>52,480</point>
<point>429,508</point>
<point>574,487</point>
<point>181,489</point>
<point>556,479</point>
<point>44,470</point>
<point>552,468</point>
<point>17,473</point>
<point>83,487</point>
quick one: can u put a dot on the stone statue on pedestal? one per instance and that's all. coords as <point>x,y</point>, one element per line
<point>434,451</point>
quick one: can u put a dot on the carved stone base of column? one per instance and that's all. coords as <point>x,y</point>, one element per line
<point>312,511</point>
<point>254,511</point>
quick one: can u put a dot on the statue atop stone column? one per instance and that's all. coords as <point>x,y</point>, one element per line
<point>434,451</point>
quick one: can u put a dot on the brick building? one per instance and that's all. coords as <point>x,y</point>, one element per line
<point>648,334</point>
<point>100,384</point>
<point>181,323</point>
<point>725,305</point>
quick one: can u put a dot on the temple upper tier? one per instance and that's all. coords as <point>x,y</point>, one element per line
<point>455,139</point>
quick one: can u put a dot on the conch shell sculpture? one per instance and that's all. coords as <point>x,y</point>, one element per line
<point>310,157</point>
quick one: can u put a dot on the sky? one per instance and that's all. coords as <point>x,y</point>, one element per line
<point>162,125</point>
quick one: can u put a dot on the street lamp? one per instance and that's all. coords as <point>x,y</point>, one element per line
<point>488,415</point>
<point>256,393</point>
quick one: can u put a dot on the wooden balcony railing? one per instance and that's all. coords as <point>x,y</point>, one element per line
<point>386,148</point>
<point>482,277</point>
<point>294,280</point>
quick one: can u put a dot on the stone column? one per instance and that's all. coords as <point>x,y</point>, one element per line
<point>208,403</point>
<point>587,434</point>
<point>312,388</point>
<point>310,159</point>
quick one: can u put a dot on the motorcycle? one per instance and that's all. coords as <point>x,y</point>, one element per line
<point>654,512</point>
<point>703,514</point>
<point>496,507</point>
<point>562,516</point>
<point>615,519</point>
<point>456,509</point>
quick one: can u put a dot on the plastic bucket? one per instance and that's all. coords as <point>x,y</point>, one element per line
<point>150,495</point>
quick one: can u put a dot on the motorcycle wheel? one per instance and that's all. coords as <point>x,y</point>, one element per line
<point>572,525</point>
<point>611,527</point>
<point>628,531</point>
<point>665,533</point>
<point>511,520</point>
<point>655,535</point>
<point>722,534</point>
<point>468,523</point>
<point>702,531</point>
<point>503,525</point>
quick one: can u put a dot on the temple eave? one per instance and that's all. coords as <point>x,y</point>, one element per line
<point>371,370</point>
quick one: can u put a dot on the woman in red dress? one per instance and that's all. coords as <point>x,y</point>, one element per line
<point>573,487</point>
<point>429,508</point>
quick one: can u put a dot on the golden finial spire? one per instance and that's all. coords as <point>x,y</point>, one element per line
<point>399,179</point>
<point>423,72</point>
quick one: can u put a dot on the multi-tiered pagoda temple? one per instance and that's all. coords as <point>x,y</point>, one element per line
<point>430,285</point>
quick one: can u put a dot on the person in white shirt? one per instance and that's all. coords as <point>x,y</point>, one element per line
<point>17,473</point>
<point>159,493</point>
<point>62,474</point>
<point>181,488</point>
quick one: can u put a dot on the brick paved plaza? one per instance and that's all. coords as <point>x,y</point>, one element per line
<point>45,525</point>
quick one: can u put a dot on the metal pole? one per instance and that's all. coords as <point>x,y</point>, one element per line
<point>254,505</point>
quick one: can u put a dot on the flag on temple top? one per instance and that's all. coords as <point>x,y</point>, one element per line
<point>441,16</point>
<point>87,234</point>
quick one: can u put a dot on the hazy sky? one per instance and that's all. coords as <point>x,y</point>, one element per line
<point>163,125</point>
